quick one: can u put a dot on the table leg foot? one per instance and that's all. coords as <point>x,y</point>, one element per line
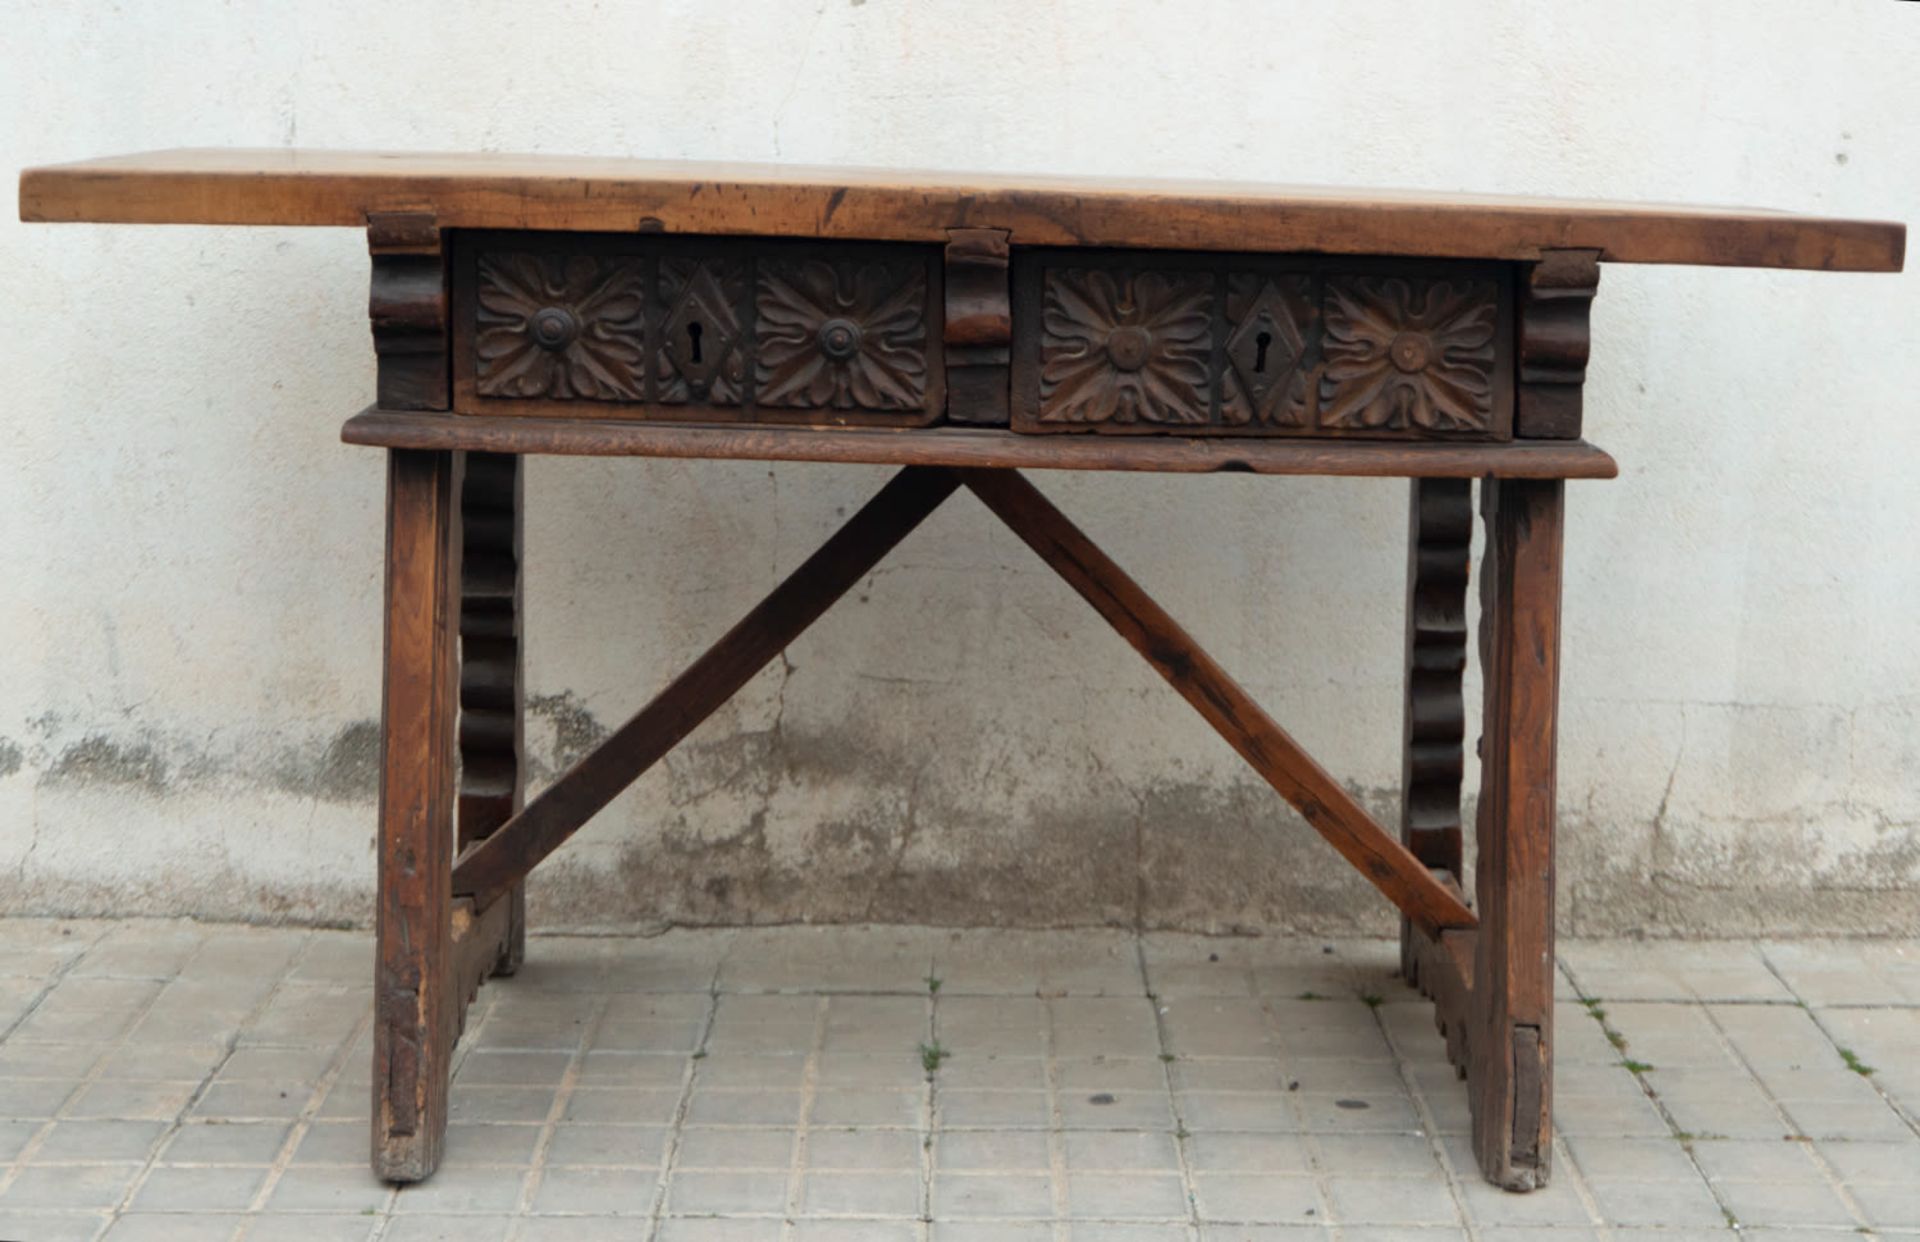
<point>414,1005</point>
<point>1510,1064</point>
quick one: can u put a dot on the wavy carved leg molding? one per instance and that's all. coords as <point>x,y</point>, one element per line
<point>1439,539</point>
<point>492,771</point>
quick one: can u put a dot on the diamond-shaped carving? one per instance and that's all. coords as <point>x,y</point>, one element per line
<point>701,358</point>
<point>1266,383</point>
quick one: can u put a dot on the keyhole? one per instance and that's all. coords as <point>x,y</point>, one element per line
<point>1260,344</point>
<point>693,340</point>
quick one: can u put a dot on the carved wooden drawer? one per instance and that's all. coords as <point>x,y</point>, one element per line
<point>697,329</point>
<point>1258,345</point>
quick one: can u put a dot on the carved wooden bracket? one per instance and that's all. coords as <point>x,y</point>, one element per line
<point>1554,344</point>
<point>979,328</point>
<point>408,305</point>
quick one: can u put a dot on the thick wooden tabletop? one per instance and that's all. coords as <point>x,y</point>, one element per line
<point>289,187</point>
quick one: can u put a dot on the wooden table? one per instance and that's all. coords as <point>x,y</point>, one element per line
<point>962,328</point>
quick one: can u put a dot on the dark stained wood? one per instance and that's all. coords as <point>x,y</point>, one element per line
<point>1512,1040</point>
<point>1133,343</point>
<point>706,330</point>
<point>1442,968</point>
<point>1439,536</point>
<point>408,307</point>
<point>492,684</point>
<point>984,447</point>
<point>480,942</point>
<point>491,867</point>
<point>1554,343</point>
<point>414,1002</point>
<point>1320,799</point>
<point>583,193</point>
<point>979,327</point>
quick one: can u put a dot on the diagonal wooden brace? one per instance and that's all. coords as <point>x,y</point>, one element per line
<point>488,869</point>
<point>1332,812</point>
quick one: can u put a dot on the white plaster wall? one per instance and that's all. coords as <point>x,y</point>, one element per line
<point>188,621</point>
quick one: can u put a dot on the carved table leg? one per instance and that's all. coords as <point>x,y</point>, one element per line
<point>414,1006</point>
<point>1511,1064</point>
<point>1439,534</point>
<point>492,771</point>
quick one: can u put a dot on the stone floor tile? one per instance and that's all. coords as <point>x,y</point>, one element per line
<point>1755,1160</point>
<point>1257,1198</point>
<point>1363,1200</point>
<point>1864,1120</point>
<point>50,1226</point>
<point>865,1149</point>
<point>463,1188</point>
<point>856,1231</point>
<point>1124,1196</point>
<point>330,1188</point>
<point>1670,1204</point>
<point>734,1147</point>
<point>686,961</point>
<point>200,1189</point>
<point>313,1227</point>
<point>630,1146</point>
<point>995,962</point>
<point>1808,1202</point>
<point>994,1231</point>
<point>980,1151</point>
<point>69,1186</point>
<point>227,1142</point>
<point>1891,1205</point>
<point>97,1141</point>
<point>991,1026</point>
<point>597,1191</point>
<point>1206,1026</point>
<point>130,1100</point>
<point>865,1192</point>
<point>715,1191</point>
<point>141,949</point>
<point>1086,1026</point>
<point>1636,970</point>
<point>1638,1159</point>
<point>173,1226</point>
<point>464,1228</point>
<point>1410,1233</point>
<point>990,1109</point>
<point>1247,1153</point>
<point>1867,1162</point>
<point>1843,972</point>
<point>620,1107</point>
<point>851,1106</point>
<point>1555,1206</point>
<point>1120,1151</point>
<point>1000,1194</point>
<point>829,959</point>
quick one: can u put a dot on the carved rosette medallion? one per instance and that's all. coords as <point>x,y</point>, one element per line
<point>1405,353</point>
<point>560,326</point>
<point>845,335</point>
<point>702,355</point>
<point>1124,347</point>
<point>1266,381</point>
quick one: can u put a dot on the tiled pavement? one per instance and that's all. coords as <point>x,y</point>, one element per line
<point>178,1081</point>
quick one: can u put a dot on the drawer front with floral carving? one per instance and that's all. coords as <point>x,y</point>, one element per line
<point>1258,345</point>
<point>697,330</point>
